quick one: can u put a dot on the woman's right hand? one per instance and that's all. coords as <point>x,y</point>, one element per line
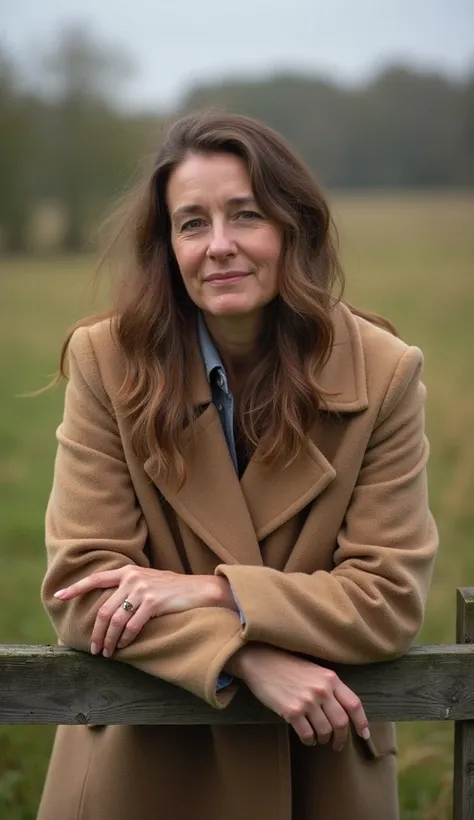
<point>311,698</point>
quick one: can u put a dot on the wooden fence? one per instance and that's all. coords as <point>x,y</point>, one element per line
<point>51,684</point>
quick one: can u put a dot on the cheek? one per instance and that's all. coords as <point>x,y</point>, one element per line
<point>268,252</point>
<point>269,248</point>
<point>187,257</point>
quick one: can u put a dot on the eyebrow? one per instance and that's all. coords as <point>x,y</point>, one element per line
<point>191,209</point>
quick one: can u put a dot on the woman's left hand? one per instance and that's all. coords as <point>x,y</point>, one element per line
<point>148,594</point>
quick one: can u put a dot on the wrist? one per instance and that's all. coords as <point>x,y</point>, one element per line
<point>236,664</point>
<point>245,658</point>
<point>222,594</point>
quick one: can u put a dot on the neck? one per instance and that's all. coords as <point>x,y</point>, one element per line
<point>236,339</point>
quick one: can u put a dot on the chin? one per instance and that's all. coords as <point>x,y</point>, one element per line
<point>232,307</point>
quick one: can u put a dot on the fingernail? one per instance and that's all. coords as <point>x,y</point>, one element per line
<point>120,646</point>
<point>94,649</point>
<point>105,653</point>
<point>59,593</point>
<point>366,734</point>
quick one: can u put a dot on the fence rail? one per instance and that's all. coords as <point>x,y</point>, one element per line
<point>52,684</point>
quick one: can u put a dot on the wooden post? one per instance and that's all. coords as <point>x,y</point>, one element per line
<point>463,808</point>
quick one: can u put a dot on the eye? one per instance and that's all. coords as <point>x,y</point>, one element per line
<point>248,216</point>
<point>191,224</point>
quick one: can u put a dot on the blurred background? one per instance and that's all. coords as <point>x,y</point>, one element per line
<point>378,96</point>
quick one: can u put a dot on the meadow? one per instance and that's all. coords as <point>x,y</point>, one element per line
<point>409,256</point>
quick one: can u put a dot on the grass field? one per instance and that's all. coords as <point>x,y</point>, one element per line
<point>410,257</point>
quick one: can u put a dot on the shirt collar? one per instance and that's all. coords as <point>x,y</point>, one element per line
<point>210,356</point>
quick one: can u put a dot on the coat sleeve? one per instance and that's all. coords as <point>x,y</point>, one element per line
<point>94,523</point>
<point>370,606</point>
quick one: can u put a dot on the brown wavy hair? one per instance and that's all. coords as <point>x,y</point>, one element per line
<point>151,312</point>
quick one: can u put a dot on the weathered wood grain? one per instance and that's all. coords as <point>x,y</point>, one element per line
<point>52,684</point>
<point>463,792</point>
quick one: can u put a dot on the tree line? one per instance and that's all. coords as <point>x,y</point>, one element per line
<point>67,140</point>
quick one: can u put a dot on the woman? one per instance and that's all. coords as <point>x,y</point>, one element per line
<point>239,490</point>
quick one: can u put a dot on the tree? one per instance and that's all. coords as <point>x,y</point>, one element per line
<point>86,138</point>
<point>403,129</point>
<point>19,147</point>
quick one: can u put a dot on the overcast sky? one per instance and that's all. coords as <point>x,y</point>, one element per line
<point>177,43</point>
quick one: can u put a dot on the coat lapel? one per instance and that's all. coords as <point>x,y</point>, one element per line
<point>211,501</point>
<point>274,496</point>
<point>231,517</point>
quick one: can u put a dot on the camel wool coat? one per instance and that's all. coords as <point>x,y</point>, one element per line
<point>330,557</point>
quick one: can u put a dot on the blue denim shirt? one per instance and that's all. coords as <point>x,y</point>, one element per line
<point>223,400</point>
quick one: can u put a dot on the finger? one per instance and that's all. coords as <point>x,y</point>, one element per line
<point>97,580</point>
<point>117,624</point>
<point>353,706</point>
<point>339,720</point>
<point>134,626</point>
<point>320,724</point>
<point>103,617</point>
<point>304,730</point>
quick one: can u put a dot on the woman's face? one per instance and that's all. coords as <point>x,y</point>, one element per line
<point>227,250</point>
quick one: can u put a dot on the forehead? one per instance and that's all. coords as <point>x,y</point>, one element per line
<point>202,178</point>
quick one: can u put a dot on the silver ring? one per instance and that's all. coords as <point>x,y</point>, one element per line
<point>128,606</point>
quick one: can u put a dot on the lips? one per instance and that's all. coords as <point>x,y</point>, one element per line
<point>230,276</point>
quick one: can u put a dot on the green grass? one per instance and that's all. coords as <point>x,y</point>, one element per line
<point>409,257</point>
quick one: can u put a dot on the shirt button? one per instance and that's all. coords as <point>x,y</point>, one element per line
<point>219,407</point>
<point>220,380</point>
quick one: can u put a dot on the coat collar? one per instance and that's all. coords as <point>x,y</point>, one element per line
<point>232,516</point>
<point>343,378</point>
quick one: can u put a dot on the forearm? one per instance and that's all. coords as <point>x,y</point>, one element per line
<point>188,649</point>
<point>328,616</point>
<point>340,617</point>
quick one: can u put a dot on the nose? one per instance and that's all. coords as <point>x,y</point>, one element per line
<point>221,245</point>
